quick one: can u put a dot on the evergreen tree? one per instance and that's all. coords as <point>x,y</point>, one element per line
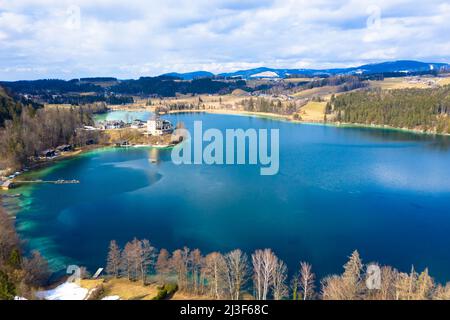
<point>7,289</point>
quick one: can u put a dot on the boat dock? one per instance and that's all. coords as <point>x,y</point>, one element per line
<point>12,184</point>
<point>49,182</point>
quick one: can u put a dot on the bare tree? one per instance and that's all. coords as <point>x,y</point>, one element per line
<point>127,262</point>
<point>406,285</point>
<point>442,292</point>
<point>264,263</point>
<point>135,258</point>
<point>179,264</point>
<point>257,261</point>
<point>113,260</point>
<point>196,260</point>
<point>36,270</point>
<point>185,256</point>
<point>306,281</point>
<point>214,265</point>
<point>387,290</point>
<point>163,265</point>
<point>145,257</point>
<point>280,288</point>
<point>235,273</point>
<point>333,288</point>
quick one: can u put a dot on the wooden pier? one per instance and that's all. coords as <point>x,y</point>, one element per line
<point>12,184</point>
<point>49,182</point>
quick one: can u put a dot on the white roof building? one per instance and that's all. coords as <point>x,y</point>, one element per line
<point>159,127</point>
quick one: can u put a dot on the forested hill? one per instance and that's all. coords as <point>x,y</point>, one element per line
<point>11,107</point>
<point>421,109</point>
<point>167,86</point>
<point>52,86</point>
<point>164,86</point>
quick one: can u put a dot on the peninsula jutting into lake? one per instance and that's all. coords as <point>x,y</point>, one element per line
<point>294,168</point>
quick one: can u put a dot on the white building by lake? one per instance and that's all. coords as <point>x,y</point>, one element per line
<point>158,127</point>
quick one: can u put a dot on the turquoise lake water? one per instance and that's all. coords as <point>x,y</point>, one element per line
<point>385,193</point>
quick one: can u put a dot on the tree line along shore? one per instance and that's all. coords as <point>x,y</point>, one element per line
<point>262,276</point>
<point>424,110</point>
<point>215,276</point>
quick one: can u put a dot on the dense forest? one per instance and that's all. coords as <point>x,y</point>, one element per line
<point>263,276</point>
<point>25,131</point>
<point>78,100</point>
<point>168,86</point>
<point>345,83</point>
<point>25,137</point>
<point>423,109</point>
<point>164,86</point>
<point>10,107</point>
<point>67,92</point>
<point>268,106</point>
<point>53,86</point>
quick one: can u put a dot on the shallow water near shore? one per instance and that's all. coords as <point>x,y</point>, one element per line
<point>383,192</point>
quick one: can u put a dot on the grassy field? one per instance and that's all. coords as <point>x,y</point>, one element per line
<point>129,290</point>
<point>123,288</point>
<point>313,111</point>
<point>444,81</point>
<point>297,80</point>
<point>404,83</point>
<point>209,101</point>
<point>316,92</point>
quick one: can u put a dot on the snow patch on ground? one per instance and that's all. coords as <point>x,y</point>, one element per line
<point>266,74</point>
<point>66,291</point>
<point>111,298</point>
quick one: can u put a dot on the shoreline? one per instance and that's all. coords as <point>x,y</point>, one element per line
<point>272,116</point>
<point>46,164</point>
<point>278,117</point>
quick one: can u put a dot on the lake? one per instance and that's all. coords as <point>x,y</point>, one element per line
<point>385,193</point>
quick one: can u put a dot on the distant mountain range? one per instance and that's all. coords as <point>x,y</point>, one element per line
<point>190,75</point>
<point>402,66</point>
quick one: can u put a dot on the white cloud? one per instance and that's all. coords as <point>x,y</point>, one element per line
<point>42,38</point>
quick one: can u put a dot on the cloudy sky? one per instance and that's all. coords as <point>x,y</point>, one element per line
<point>127,39</point>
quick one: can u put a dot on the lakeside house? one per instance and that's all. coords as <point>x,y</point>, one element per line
<point>113,124</point>
<point>138,124</point>
<point>49,153</point>
<point>122,143</point>
<point>65,148</point>
<point>159,127</point>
